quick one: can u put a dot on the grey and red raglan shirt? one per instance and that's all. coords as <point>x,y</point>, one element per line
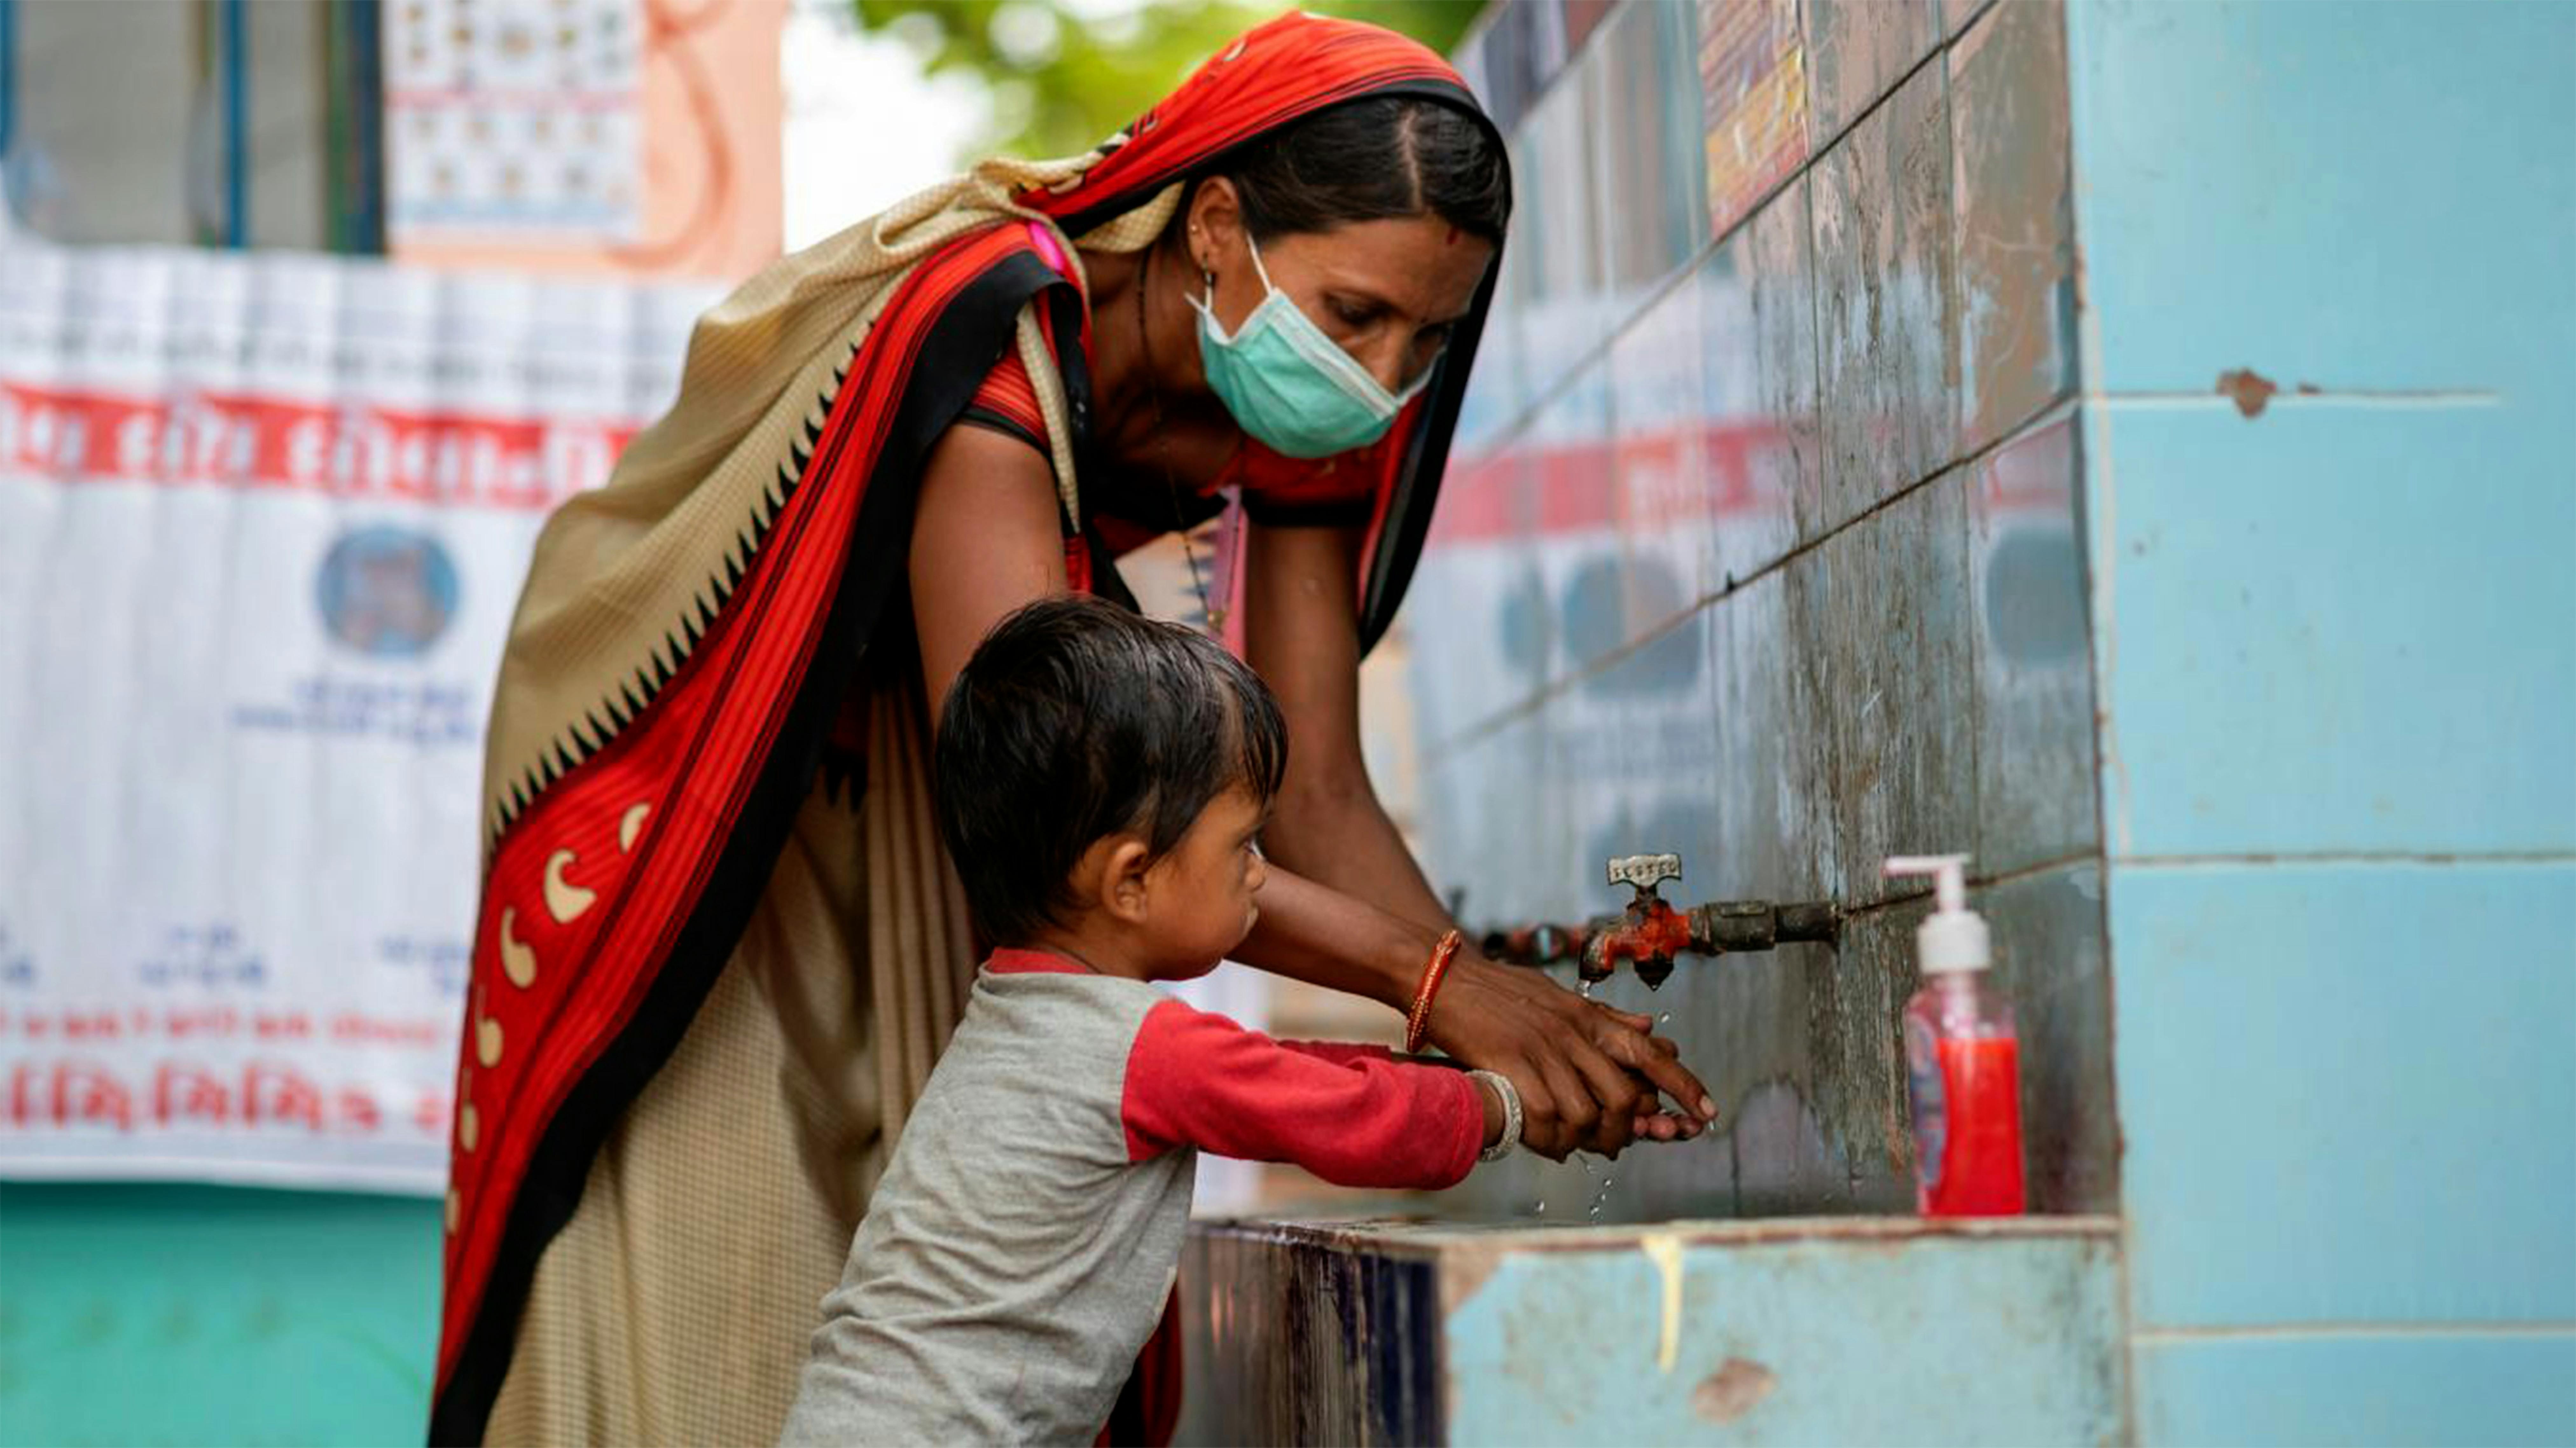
<point>1025,1237</point>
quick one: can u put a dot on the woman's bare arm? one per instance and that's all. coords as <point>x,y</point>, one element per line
<point>1302,633</point>
<point>986,540</point>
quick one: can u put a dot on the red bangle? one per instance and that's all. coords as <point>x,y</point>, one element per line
<point>1419,1020</point>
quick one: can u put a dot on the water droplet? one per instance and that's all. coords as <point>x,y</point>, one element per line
<point>1540,1210</point>
<point>1596,1209</point>
<point>1587,990</point>
<point>1665,1019</point>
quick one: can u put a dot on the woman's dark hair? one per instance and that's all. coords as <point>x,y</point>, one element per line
<point>1074,720</point>
<point>1384,158</point>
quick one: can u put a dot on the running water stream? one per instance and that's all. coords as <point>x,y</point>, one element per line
<point>1601,1179</point>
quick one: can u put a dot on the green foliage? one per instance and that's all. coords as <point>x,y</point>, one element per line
<point>1062,79</point>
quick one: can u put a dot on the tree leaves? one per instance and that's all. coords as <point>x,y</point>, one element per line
<point>1063,80</point>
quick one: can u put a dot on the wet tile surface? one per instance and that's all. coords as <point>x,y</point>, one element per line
<point>1886,313</point>
<point>1565,305</point>
<point>1574,529</point>
<point>1482,623</point>
<point>1634,739</point>
<point>1854,997</point>
<point>1491,826</point>
<point>1519,52</point>
<point>1742,1024</point>
<point>2049,962</point>
<point>1760,433</point>
<point>1957,14</point>
<point>2015,210</point>
<point>1636,736</point>
<point>1497,388</point>
<point>1666,505</point>
<point>1581,18</point>
<point>1898,685</point>
<point>1774,760</point>
<point>1652,166</point>
<point>1779,259</point>
<point>1766,642</point>
<point>2034,670</point>
<point>1859,49</point>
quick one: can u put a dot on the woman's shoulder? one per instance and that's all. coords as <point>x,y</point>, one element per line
<point>1007,402</point>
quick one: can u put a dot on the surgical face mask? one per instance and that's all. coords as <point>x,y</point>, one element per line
<point>1291,387</point>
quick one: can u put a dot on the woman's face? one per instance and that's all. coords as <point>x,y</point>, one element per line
<point>1388,292</point>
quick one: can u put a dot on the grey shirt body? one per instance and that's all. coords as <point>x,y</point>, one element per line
<point>1014,1258</point>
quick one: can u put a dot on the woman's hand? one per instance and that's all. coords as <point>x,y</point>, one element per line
<point>1588,1075</point>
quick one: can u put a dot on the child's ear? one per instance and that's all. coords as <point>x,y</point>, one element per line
<point>1114,871</point>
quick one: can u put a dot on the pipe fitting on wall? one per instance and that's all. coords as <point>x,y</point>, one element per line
<point>1650,934</point>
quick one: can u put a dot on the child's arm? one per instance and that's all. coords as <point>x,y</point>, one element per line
<point>1354,1118</point>
<point>1340,1053</point>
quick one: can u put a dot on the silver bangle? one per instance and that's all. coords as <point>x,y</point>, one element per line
<point>1511,1095</point>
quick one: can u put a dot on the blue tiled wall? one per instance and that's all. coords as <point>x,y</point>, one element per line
<point>1763,547</point>
<point>2215,590</point>
<point>2330,507</point>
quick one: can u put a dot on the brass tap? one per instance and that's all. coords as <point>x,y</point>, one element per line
<point>1650,932</point>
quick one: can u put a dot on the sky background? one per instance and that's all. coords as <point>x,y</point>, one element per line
<point>865,128</point>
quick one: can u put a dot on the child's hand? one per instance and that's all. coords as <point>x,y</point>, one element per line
<point>1669,1126</point>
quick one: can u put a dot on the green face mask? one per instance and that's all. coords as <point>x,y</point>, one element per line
<point>1290,386</point>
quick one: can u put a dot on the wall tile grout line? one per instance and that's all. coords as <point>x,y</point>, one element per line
<point>1651,297</point>
<point>2058,409</point>
<point>2430,859</point>
<point>2300,1331</point>
<point>2298,401</point>
<point>2012,876</point>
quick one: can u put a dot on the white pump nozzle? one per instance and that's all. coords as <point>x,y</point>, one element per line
<point>1954,937</point>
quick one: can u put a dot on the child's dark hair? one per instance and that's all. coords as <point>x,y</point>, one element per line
<point>1077,719</point>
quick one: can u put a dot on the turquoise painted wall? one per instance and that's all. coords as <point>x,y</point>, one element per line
<point>2335,657</point>
<point>204,1315</point>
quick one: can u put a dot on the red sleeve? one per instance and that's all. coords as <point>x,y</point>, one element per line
<point>1195,1079</point>
<point>1007,396</point>
<point>1342,1053</point>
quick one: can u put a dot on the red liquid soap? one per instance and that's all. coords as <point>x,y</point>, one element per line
<point>1962,1061</point>
<point>1967,1105</point>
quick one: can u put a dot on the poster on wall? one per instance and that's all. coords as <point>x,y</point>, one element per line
<point>513,120</point>
<point>1753,94</point>
<point>263,519</point>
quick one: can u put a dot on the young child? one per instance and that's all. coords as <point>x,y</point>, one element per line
<point>1103,780</point>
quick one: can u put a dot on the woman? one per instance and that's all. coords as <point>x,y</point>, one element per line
<point>719,949</point>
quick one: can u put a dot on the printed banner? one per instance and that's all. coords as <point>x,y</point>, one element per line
<point>518,119</point>
<point>262,522</point>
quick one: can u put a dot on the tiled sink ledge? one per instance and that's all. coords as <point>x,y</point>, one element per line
<point>1843,1329</point>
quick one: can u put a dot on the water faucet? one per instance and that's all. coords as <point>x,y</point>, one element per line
<point>1650,932</point>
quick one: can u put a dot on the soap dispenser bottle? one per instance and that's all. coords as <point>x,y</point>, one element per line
<point>1962,1059</point>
